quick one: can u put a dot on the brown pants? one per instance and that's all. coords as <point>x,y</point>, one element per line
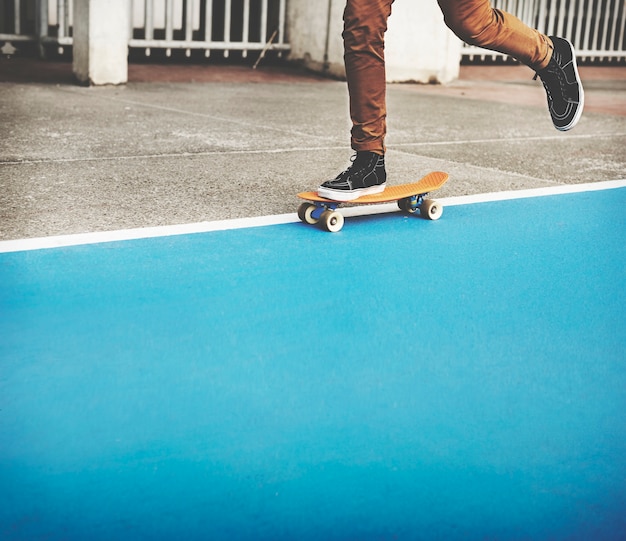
<point>474,21</point>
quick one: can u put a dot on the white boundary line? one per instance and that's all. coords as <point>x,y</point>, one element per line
<point>241,223</point>
<point>562,189</point>
<point>142,233</point>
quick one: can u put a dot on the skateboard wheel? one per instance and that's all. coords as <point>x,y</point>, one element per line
<point>301,211</point>
<point>332,220</point>
<point>431,209</point>
<point>305,213</point>
<point>406,205</point>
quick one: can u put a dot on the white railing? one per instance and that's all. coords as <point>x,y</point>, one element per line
<point>208,25</point>
<point>595,27</point>
<point>39,21</point>
<point>11,28</point>
<point>56,22</point>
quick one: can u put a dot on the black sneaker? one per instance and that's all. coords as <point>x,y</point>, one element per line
<point>563,87</point>
<point>365,176</point>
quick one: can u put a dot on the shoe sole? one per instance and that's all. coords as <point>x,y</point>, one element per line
<point>581,92</point>
<point>343,196</point>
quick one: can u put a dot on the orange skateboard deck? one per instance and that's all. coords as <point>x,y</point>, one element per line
<point>410,197</point>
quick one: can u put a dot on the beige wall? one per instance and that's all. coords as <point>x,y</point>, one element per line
<point>419,47</point>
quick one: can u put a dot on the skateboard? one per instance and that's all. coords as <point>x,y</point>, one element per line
<point>410,197</point>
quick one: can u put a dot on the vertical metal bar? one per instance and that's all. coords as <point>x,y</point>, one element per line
<point>586,24</point>
<point>281,22</point>
<point>605,30</point>
<point>169,19</point>
<point>527,12</point>
<point>189,20</point>
<point>556,15</point>
<point>536,16</point>
<point>148,22</point>
<point>148,19</point>
<point>541,17</point>
<point>61,18</point>
<point>246,26</point>
<point>69,15</point>
<point>42,25</point>
<point>208,25</point>
<point>264,21</point>
<point>596,28</point>
<point>227,19</point>
<point>208,21</point>
<point>246,21</point>
<point>17,28</point>
<point>549,19</point>
<point>570,20</point>
<point>169,24</point>
<point>189,4</point>
<point>620,35</point>
<point>580,15</point>
<point>42,19</point>
<point>611,44</point>
<point>533,13</point>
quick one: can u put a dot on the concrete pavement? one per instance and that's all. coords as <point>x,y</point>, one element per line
<point>193,143</point>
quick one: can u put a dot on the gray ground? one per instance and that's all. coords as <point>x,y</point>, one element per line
<point>75,159</point>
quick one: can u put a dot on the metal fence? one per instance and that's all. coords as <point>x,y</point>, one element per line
<point>208,25</point>
<point>595,27</point>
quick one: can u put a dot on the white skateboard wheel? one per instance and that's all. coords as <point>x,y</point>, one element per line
<point>431,209</point>
<point>332,220</point>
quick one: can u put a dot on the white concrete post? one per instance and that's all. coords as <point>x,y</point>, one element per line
<point>314,31</point>
<point>101,41</point>
<point>418,45</point>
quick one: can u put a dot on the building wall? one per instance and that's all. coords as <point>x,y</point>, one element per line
<point>419,47</point>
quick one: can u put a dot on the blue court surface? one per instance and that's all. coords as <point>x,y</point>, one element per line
<point>463,379</point>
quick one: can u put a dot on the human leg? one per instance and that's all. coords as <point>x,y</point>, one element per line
<point>365,24</point>
<point>476,22</point>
